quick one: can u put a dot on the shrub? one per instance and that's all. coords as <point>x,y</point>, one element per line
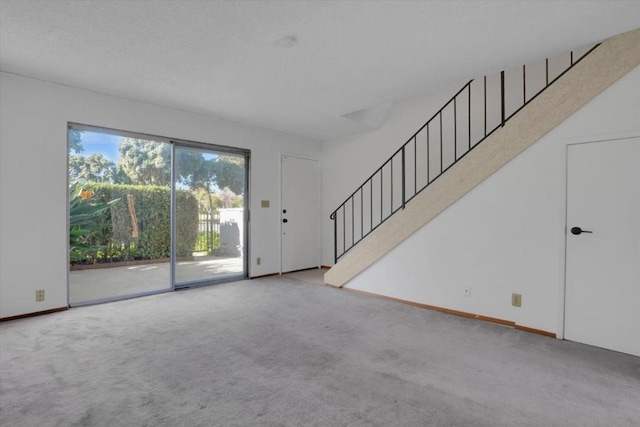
<point>207,241</point>
<point>86,216</point>
<point>139,226</point>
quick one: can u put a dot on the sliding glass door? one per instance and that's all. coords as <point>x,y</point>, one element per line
<point>119,216</point>
<point>149,214</point>
<point>214,248</point>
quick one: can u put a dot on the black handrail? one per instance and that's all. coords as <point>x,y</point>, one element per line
<point>400,157</point>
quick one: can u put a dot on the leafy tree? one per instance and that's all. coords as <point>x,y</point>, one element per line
<point>95,167</point>
<point>145,162</point>
<point>228,199</point>
<point>197,172</point>
<point>206,201</point>
<point>238,202</point>
<point>75,141</point>
<point>76,166</point>
<point>230,173</point>
<point>211,175</point>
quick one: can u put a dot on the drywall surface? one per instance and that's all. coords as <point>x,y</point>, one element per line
<point>33,178</point>
<point>613,59</point>
<point>508,234</point>
<point>348,162</point>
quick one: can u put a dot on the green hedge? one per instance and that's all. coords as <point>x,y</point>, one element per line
<point>151,206</point>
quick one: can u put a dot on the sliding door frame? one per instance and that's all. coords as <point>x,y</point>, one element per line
<point>180,143</point>
<point>175,143</point>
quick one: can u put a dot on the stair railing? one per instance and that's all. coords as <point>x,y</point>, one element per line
<point>474,113</point>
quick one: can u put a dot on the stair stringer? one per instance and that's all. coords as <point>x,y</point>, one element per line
<point>595,73</point>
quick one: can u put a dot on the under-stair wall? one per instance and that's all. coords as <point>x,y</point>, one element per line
<point>507,235</point>
<point>596,72</point>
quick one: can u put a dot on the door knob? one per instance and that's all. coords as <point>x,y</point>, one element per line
<point>286,220</point>
<point>578,230</point>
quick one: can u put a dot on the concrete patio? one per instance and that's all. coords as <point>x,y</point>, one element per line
<point>102,283</point>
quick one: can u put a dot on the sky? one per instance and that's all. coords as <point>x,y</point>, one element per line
<point>107,145</point>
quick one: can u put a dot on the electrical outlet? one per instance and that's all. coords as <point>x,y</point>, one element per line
<point>40,295</point>
<point>258,261</point>
<point>467,291</point>
<point>516,300</point>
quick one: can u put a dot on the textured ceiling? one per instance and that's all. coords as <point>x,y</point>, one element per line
<point>293,66</point>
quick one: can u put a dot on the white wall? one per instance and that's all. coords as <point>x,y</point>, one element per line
<point>507,235</point>
<point>33,178</point>
<point>347,162</point>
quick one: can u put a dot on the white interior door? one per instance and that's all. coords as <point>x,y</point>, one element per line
<point>300,213</point>
<point>602,302</point>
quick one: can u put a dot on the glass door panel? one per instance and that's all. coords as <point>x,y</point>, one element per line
<point>119,216</point>
<point>209,215</point>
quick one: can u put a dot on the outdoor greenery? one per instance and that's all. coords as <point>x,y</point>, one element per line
<point>148,162</point>
<point>95,168</point>
<point>203,240</point>
<point>138,227</point>
<point>130,198</point>
<point>86,218</point>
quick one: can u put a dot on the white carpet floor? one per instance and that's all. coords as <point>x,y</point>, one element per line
<point>283,351</point>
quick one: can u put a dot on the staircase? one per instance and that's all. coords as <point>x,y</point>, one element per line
<point>486,124</point>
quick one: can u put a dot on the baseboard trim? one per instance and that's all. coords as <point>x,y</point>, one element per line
<point>262,276</point>
<point>277,274</point>
<point>535,331</point>
<point>503,322</point>
<point>35,313</point>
